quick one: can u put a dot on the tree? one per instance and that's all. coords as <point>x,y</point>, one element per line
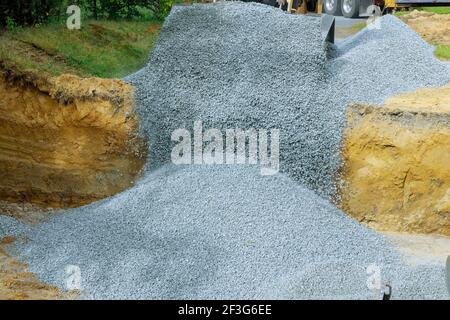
<point>30,12</point>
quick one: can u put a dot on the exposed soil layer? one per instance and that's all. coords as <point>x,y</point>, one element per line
<point>25,212</point>
<point>397,173</point>
<point>66,141</point>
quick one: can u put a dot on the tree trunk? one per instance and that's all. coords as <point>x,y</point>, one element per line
<point>94,9</point>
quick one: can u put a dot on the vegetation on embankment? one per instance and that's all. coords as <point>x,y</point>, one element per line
<point>106,49</point>
<point>438,10</point>
<point>442,52</point>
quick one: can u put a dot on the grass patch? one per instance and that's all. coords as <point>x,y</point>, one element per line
<point>442,52</point>
<point>439,10</point>
<point>401,13</point>
<point>106,49</point>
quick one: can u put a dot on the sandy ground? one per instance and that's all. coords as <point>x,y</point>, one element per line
<point>434,28</point>
<point>18,284</point>
<point>25,212</point>
<point>421,249</point>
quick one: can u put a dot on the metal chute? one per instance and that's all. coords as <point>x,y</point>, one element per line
<point>327,27</point>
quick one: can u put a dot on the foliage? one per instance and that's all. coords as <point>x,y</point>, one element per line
<point>104,49</point>
<point>32,12</point>
<point>442,51</point>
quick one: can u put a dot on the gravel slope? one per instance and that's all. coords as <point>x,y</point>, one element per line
<point>227,231</point>
<point>219,232</point>
<point>222,65</point>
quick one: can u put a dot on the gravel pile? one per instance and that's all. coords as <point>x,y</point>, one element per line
<point>219,232</point>
<point>226,231</point>
<point>11,227</point>
<point>218,65</point>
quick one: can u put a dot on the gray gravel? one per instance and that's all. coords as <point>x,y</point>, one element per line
<point>219,232</point>
<point>226,231</point>
<point>216,64</point>
<point>11,227</point>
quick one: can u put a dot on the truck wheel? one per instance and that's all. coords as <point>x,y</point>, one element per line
<point>350,8</point>
<point>332,7</point>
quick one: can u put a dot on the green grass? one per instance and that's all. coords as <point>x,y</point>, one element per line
<point>439,10</point>
<point>442,52</point>
<point>401,13</point>
<point>107,49</point>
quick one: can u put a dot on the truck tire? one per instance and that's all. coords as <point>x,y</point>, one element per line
<point>350,8</point>
<point>332,7</point>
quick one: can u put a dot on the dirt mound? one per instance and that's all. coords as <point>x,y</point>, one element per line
<point>66,141</point>
<point>434,28</point>
<point>397,174</point>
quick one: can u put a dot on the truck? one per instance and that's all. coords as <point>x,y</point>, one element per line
<point>365,8</point>
<point>350,8</point>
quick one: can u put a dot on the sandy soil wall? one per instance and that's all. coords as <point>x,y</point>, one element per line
<point>66,141</point>
<point>396,174</point>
